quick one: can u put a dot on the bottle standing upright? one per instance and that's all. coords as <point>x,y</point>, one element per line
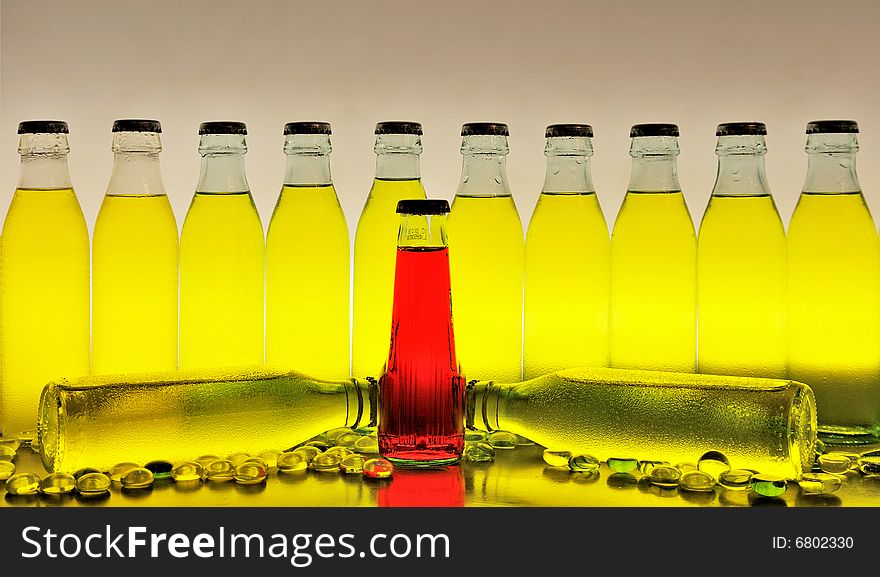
<point>834,283</point>
<point>221,258</point>
<point>741,261</point>
<point>398,177</point>
<point>307,262</point>
<point>486,259</point>
<point>134,257</point>
<point>653,261</point>
<point>566,262</point>
<point>44,278</point>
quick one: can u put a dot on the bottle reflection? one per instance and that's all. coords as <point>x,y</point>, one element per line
<point>441,487</point>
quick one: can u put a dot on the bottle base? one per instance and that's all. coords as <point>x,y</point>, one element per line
<point>422,459</point>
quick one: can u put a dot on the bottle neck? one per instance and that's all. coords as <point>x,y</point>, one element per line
<point>568,174</point>
<point>654,164</point>
<point>481,406</point>
<point>398,166</point>
<point>422,231</point>
<point>136,173</point>
<point>44,171</point>
<point>307,169</point>
<point>832,164</point>
<point>222,173</point>
<point>741,175</point>
<point>483,175</point>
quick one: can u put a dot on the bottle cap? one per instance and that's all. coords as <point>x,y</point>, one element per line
<point>423,206</point>
<point>582,130</point>
<point>484,129</point>
<point>223,127</point>
<point>832,126</point>
<point>136,125</point>
<point>43,127</point>
<point>398,127</point>
<point>307,128</point>
<point>653,129</point>
<point>741,129</point>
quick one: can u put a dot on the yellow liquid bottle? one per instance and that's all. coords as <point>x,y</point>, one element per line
<point>566,262</point>
<point>307,262</point>
<point>653,261</point>
<point>834,289</point>
<point>398,145</point>
<point>741,264</point>
<point>486,260</point>
<point>134,260</point>
<point>44,278</point>
<point>221,259</point>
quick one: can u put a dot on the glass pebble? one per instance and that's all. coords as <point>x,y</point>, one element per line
<point>332,436</point>
<point>318,443</point>
<point>57,484</point>
<point>583,463</point>
<point>557,457</point>
<point>270,457</point>
<point>187,471</point>
<point>646,466</point>
<point>137,478</point>
<point>250,473</point>
<point>353,464</point>
<point>7,469</point>
<point>347,439</point>
<point>120,469</point>
<point>14,444</point>
<point>820,446</point>
<point>160,468</point>
<point>7,453</point>
<point>220,471</point>
<point>343,452</point>
<point>502,440</point>
<point>308,452</point>
<point>92,484</point>
<point>378,468</point>
<point>736,479</point>
<point>258,460</point>
<point>819,483</point>
<point>697,481</point>
<point>664,476</point>
<point>685,467</point>
<point>479,453</point>
<point>27,437</point>
<point>769,485</point>
<point>238,458</point>
<point>869,464</point>
<point>622,465</point>
<point>366,445</point>
<point>834,463</point>
<point>326,463</point>
<point>853,459</point>
<point>290,462</point>
<point>206,460</point>
<point>475,435</point>
<point>84,471</point>
<point>23,484</point>
<point>366,431</point>
<point>713,463</point>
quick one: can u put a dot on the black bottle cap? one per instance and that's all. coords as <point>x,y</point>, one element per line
<point>741,129</point>
<point>307,128</point>
<point>43,127</point>
<point>223,127</point>
<point>569,130</point>
<point>136,125</point>
<point>832,126</point>
<point>484,129</point>
<point>423,206</point>
<point>398,127</point>
<point>653,129</point>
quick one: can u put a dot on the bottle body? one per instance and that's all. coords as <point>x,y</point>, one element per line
<point>765,424</point>
<point>221,268</point>
<point>567,266</point>
<point>44,283</point>
<point>741,265</point>
<point>134,265</point>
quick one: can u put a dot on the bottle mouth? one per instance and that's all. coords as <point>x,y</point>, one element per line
<point>49,424</point>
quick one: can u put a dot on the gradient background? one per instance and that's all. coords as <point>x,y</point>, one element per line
<point>611,64</point>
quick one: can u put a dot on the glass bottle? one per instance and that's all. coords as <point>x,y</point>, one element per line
<point>421,392</point>
<point>221,258</point>
<point>307,261</point>
<point>486,258</point>
<point>44,277</point>
<point>134,257</point>
<point>567,264</point>
<point>834,283</point>
<point>398,177</point>
<point>653,261</point>
<point>763,424</point>
<point>741,260</point>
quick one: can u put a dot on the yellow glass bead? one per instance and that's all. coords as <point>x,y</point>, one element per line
<point>7,469</point>
<point>23,484</point>
<point>366,444</point>
<point>714,463</point>
<point>696,481</point>
<point>378,468</point>
<point>326,463</point>
<point>556,457</point>
<point>353,464</point>
<point>292,462</point>
<point>137,478</point>
<point>57,484</point>
<point>736,479</point>
<point>308,452</point>
<point>583,463</point>
<point>206,460</point>
<point>270,457</point>
<point>664,476</point>
<point>251,472</point>
<point>502,440</point>
<point>220,471</point>
<point>93,484</point>
<point>7,453</point>
<point>238,458</point>
<point>819,483</point>
<point>119,469</point>
<point>834,463</point>
<point>187,471</point>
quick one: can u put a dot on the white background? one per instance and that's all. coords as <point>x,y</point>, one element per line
<point>529,64</point>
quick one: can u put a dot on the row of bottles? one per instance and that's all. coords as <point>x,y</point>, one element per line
<point>630,301</point>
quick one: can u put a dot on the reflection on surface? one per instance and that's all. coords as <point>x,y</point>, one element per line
<point>442,487</point>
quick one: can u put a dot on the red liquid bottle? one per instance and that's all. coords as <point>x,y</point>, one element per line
<point>421,392</point>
